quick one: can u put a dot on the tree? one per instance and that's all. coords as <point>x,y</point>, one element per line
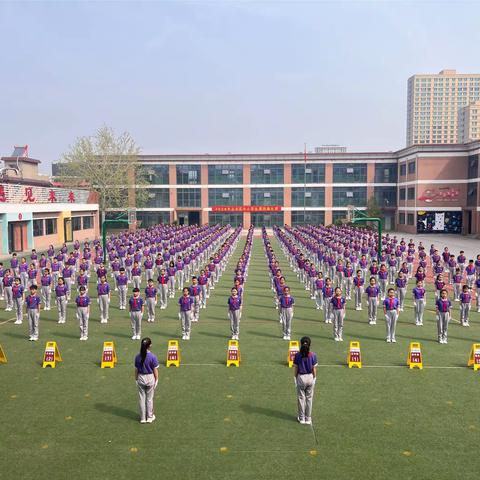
<point>107,164</point>
<point>373,209</point>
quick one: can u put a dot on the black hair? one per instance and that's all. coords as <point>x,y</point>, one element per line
<point>135,290</point>
<point>145,345</point>
<point>305,346</point>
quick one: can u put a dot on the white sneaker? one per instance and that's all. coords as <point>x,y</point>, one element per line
<point>151,419</point>
<point>308,421</point>
<point>17,322</point>
<point>318,308</point>
<point>394,340</point>
<point>284,337</point>
<point>336,339</point>
<point>287,337</point>
<point>30,338</point>
<point>388,340</point>
<point>445,340</point>
<point>134,337</point>
<point>187,337</point>
<point>85,338</point>
<point>340,339</point>
<point>301,420</point>
<point>143,420</point>
<point>35,339</point>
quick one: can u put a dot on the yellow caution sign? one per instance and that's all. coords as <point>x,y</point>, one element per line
<point>415,358</point>
<point>354,358</point>
<point>173,353</point>
<point>474,358</point>
<point>3,357</point>
<point>233,353</point>
<point>293,349</point>
<point>51,355</point>
<point>109,355</point>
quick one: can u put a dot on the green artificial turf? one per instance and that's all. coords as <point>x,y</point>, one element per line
<point>79,421</point>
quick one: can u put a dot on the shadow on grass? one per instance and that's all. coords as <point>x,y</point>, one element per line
<point>268,412</point>
<point>262,334</point>
<point>15,335</point>
<point>210,334</point>
<point>117,411</point>
<point>118,334</point>
<point>65,335</point>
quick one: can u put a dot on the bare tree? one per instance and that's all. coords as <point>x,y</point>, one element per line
<point>107,164</point>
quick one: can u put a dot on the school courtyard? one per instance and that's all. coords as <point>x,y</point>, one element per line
<point>213,422</point>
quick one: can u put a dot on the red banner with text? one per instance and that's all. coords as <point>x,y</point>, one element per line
<point>247,208</point>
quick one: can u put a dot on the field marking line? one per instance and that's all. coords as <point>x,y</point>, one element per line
<point>9,320</point>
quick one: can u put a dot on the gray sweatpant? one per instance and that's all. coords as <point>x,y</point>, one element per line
<point>122,296</point>
<point>287,317</point>
<point>358,297</point>
<point>163,294</point>
<point>391,317</point>
<point>464,312</point>
<point>402,292</point>
<point>82,317</point>
<point>18,303</point>
<point>196,308</point>
<point>372,309</point>
<point>136,281</point>
<point>305,388</point>
<point>348,285</point>
<point>171,286</point>
<point>186,319</point>
<point>319,298</point>
<point>338,316</point>
<point>457,290</point>
<point>203,295</point>
<point>146,392</point>
<point>419,309</point>
<point>383,287</point>
<point>33,316</point>
<point>136,322</point>
<point>9,297</point>
<point>62,309</point>
<point>103,304</point>
<point>150,302</point>
<point>327,310</point>
<point>234,316</point>
<point>442,324</point>
<point>46,296</point>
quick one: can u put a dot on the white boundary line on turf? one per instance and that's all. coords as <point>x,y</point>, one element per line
<point>329,365</point>
<point>9,320</point>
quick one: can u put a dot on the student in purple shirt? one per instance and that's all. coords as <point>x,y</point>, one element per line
<point>151,300</point>
<point>83,312</point>
<point>18,300</point>
<point>465,305</point>
<point>286,312</point>
<point>103,290</point>
<point>136,305</point>
<point>372,291</point>
<point>234,311</point>
<point>401,284</point>
<point>46,283</point>
<point>186,303</point>
<point>338,310</point>
<point>305,375</point>
<point>419,302</point>
<point>391,311</point>
<point>146,377</point>
<point>32,302</point>
<point>61,292</point>
<point>443,306</point>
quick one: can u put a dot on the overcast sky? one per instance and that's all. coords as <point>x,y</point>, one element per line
<point>222,76</point>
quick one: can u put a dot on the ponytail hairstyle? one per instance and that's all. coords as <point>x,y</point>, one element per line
<point>145,345</point>
<point>305,346</point>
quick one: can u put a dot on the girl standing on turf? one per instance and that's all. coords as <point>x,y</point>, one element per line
<point>419,302</point>
<point>372,291</point>
<point>171,270</point>
<point>391,311</point>
<point>136,305</point>
<point>83,312</point>
<point>358,282</point>
<point>46,282</point>
<point>151,300</point>
<point>401,284</point>
<point>327,297</point>
<point>286,312</point>
<point>7,289</point>
<point>439,285</point>
<point>18,293</point>
<point>234,307</point>
<point>443,306</point>
<point>186,303</point>
<point>305,376</point>
<point>103,290</point>
<point>319,284</point>
<point>338,310</point>
<point>465,305</point>
<point>146,377</point>
<point>61,291</point>
<point>163,288</point>
<point>33,312</point>
<point>457,285</point>
<point>383,280</point>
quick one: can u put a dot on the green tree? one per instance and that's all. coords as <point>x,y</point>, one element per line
<point>106,163</point>
<point>373,209</point>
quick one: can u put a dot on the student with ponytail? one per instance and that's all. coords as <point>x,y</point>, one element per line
<point>146,376</point>
<point>305,375</point>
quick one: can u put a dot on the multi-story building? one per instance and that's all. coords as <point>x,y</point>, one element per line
<point>469,123</point>
<point>434,106</point>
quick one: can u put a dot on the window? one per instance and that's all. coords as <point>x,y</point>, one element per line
<point>266,174</point>
<point>403,194</point>
<point>225,174</point>
<point>386,196</point>
<point>473,166</point>
<point>233,219</point>
<point>411,168</point>
<point>411,193</point>
<point>225,196</point>
<point>338,215</point>
<point>158,198</point>
<point>310,197</point>
<point>343,196</point>
<point>38,228</point>
<point>149,219</point>
<point>350,173</point>
<point>411,219</point>
<point>157,174</point>
<point>189,197</point>
<point>267,219</point>
<point>313,173</point>
<point>188,174</point>
<point>472,195</point>
<point>401,218</point>
<point>403,169</point>
<point>308,218</point>
<point>76,223</point>
<point>274,196</point>
<point>87,222</point>
<point>385,173</point>
<point>50,226</point>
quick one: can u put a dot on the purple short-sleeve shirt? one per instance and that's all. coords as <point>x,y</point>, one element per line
<point>150,364</point>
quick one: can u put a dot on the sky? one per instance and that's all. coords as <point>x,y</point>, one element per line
<point>222,76</point>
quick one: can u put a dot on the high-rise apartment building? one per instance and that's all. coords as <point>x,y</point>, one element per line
<point>469,126</point>
<point>435,103</point>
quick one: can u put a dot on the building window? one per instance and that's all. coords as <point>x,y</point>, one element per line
<point>266,174</point>
<point>472,190</point>
<point>50,226</point>
<point>309,197</point>
<point>343,196</point>
<point>350,172</point>
<point>157,174</point>
<point>158,198</point>
<point>267,196</point>
<point>233,219</point>
<point>386,196</point>
<point>76,223</point>
<point>385,173</point>
<point>338,215</point>
<point>403,194</point>
<point>149,219</point>
<point>411,193</point>
<point>38,228</point>
<point>411,168</point>
<point>403,169</point>
<point>189,197</point>
<point>401,218</point>
<point>267,219</point>
<point>473,166</point>
<point>308,218</point>
<point>87,222</point>
<point>225,196</point>
<point>225,174</point>
<point>188,174</point>
<point>411,219</point>
<point>311,173</point>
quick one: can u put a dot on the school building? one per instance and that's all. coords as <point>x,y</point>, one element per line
<point>422,188</point>
<point>35,213</point>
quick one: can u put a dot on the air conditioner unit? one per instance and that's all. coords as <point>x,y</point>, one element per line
<point>349,194</point>
<point>266,171</point>
<point>225,172</point>
<point>349,170</point>
<point>225,195</point>
<point>308,194</point>
<point>308,170</point>
<point>266,195</point>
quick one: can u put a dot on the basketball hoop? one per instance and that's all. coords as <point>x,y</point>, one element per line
<point>132,216</point>
<point>350,210</point>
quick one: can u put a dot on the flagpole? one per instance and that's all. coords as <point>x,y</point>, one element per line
<point>304,182</point>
